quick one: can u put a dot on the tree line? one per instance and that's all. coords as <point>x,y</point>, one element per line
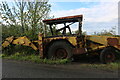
<point>23,18</point>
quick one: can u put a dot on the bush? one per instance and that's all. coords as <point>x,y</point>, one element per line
<point>12,49</point>
<point>34,58</point>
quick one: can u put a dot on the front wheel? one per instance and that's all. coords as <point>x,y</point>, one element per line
<point>60,50</point>
<point>107,55</point>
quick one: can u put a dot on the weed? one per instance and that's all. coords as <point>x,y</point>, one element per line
<point>34,58</point>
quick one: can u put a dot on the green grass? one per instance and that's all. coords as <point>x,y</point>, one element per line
<point>110,66</point>
<point>34,58</point>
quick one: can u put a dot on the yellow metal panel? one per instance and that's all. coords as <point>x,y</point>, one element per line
<point>24,41</point>
<point>5,44</point>
<point>98,47</point>
<point>100,39</point>
<point>19,41</point>
<point>72,40</point>
<point>7,41</point>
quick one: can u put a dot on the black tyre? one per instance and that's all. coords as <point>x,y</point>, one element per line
<point>107,55</point>
<point>60,50</point>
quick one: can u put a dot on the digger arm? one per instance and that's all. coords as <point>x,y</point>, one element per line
<point>19,41</point>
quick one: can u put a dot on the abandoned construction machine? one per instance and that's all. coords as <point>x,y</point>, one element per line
<point>63,44</point>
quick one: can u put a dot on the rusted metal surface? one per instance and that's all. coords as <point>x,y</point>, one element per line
<point>40,45</point>
<point>80,40</point>
<point>77,42</point>
<point>79,50</point>
<point>110,57</point>
<point>61,53</point>
<point>63,19</point>
<point>113,42</point>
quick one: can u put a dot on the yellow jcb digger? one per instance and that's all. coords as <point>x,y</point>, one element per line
<point>64,45</point>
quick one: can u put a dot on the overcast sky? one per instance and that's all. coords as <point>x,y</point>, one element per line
<point>98,15</point>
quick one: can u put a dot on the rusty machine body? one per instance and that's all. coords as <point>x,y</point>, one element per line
<point>64,45</point>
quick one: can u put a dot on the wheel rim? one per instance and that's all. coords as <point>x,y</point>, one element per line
<point>61,53</point>
<point>110,57</point>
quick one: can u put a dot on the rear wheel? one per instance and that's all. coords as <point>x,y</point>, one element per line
<point>107,55</point>
<point>60,50</point>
